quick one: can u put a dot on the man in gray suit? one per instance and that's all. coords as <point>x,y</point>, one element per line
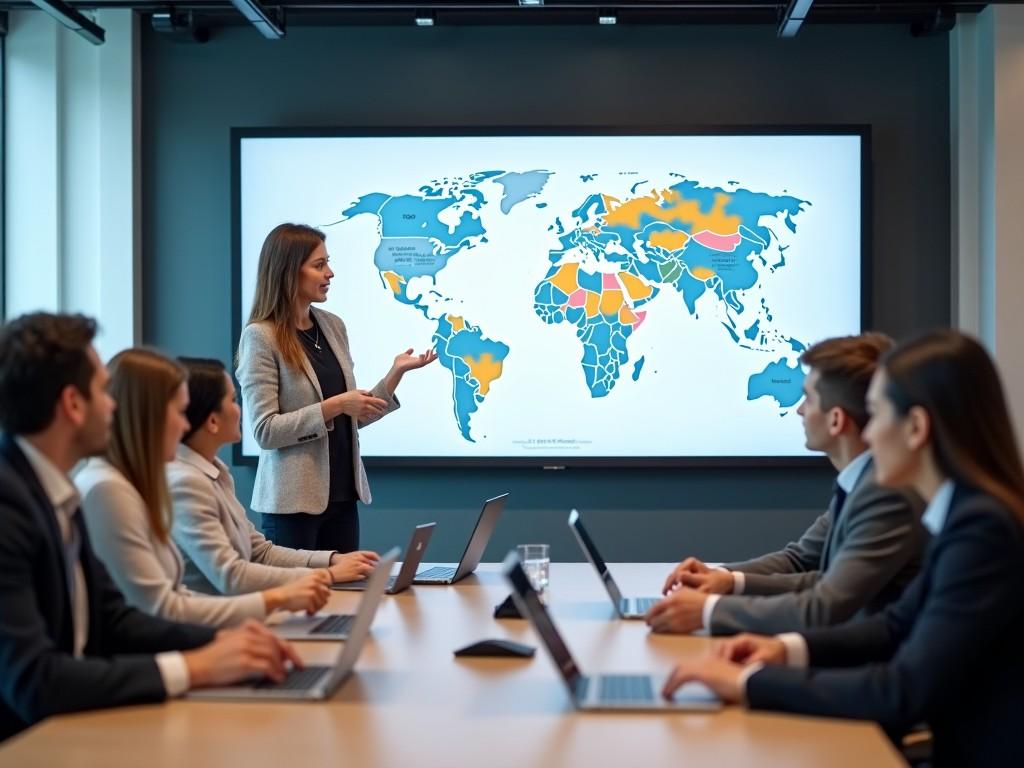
<point>856,558</point>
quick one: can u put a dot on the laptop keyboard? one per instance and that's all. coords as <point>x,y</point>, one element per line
<point>296,680</point>
<point>638,605</point>
<point>625,688</point>
<point>333,625</point>
<point>437,573</point>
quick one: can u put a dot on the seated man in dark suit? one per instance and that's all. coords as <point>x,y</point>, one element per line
<point>68,641</point>
<point>854,560</point>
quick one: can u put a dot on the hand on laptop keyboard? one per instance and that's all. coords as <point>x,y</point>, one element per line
<point>240,653</point>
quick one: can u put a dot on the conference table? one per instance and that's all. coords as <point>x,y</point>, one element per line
<point>410,702</point>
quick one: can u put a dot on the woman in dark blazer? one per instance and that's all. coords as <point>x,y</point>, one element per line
<point>300,394</point>
<point>948,651</point>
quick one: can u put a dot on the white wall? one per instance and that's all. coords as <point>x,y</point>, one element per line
<point>987,92</point>
<point>72,213</point>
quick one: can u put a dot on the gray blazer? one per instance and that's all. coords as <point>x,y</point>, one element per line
<point>224,553</point>
<point>283,406</point>
<point>146,570</point>
<point>853,564</point>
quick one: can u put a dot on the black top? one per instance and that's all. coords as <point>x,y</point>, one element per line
<point>39,676</point>
<point>947,652</point>
<point>339,440</point>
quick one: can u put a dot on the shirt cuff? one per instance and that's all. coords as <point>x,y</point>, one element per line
<point>173,672</point>
<point>746,674</point>
<point>797,654</point>
<point>320,560</point>
<point>709,607</point>
<point>738,580</point>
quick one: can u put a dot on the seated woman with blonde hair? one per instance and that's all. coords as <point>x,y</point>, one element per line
<point>224,552</point>
<point>127,507</point>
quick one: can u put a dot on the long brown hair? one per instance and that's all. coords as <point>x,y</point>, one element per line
<point>953,378</point>
<point>277,284</point>
<point>142,382</point>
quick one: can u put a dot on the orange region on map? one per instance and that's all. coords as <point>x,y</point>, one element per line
<point>669,207</point>
<point>457,323</point>
<point>626,317</point>
<point>593,301</point>
<point>702,273</point>
<point>610,303</point>
<point>565,278</point>
<point>669,239</point>
<point>634,286</point>
<point>484,370</point>
<point>394,280</point>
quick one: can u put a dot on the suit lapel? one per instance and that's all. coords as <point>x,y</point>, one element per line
<point>338,347</point>
<point>839,515</point>
<point>46,517</point>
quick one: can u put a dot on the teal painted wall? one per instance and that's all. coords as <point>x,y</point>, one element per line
<point>343,77</point>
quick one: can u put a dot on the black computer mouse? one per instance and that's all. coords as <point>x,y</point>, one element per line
<point>496,647</point>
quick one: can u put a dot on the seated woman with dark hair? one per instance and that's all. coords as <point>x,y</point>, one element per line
<point>127,508</point>
<point>224,552</point>
<point>947,652</point>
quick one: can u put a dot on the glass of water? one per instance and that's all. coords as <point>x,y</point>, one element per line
<point>536,560</point>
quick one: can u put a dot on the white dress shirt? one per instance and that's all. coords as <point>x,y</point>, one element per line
<point>64,498</point>
<point>846,479</point>
<point>934,518</point>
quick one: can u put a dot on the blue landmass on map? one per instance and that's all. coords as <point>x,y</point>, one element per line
<point>780,381</point>
<point>474,361</point>
<point>521,186</point>
<point>638,366</point>
<point>692,238</point>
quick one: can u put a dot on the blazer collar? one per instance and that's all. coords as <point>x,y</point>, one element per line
<point>852,473</point>
<point>43,508</point>
<point>192,458</point>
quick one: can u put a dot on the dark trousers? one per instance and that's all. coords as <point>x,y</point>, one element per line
<point>337,528</point>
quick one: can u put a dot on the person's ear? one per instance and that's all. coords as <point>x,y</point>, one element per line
<point>71,404</point>
<point>918,428</point>
<point>837,421</point>
<point>212,424</point>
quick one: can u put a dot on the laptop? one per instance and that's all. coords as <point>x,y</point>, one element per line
<point>625,607</point>
<point>442,574</point>
<point>319,682</point>
<point>611,692</point>
<point>403,580</point>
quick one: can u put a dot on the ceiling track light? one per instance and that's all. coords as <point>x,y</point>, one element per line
<point>607,18</point>
<point>794,17</point>
<point>269,22</point>
<point>425,19</point>
<point>531,3</point>
<point>72,19</point>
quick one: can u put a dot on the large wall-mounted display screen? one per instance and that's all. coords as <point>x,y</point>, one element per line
<point>591,297</point>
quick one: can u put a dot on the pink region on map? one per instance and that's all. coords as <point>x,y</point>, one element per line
<point>640,317</point>
<point>610,281</point>
<point>718,242</point>
<point>578,298</point>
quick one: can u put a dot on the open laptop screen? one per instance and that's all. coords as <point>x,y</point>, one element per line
<point>528,601</point>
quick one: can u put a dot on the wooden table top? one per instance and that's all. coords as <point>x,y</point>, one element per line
<point>411,703</point>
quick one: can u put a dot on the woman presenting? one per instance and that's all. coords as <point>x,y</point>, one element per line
<point>295,371</point>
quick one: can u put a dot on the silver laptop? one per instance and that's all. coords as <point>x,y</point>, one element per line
<point>614,692</point>
<point>485,524</point>
<point>317,682</point>
<point>413,555</point>
<point>625,607</point>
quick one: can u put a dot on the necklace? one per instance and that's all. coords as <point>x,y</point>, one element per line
<point>316,341</point>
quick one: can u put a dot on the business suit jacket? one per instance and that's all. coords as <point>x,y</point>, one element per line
<point>224,552</point>
<point>39,675</point>
<point>148,571</point>
<point>850,562</point>
<point>283,406</point>
<point>947,652</point>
